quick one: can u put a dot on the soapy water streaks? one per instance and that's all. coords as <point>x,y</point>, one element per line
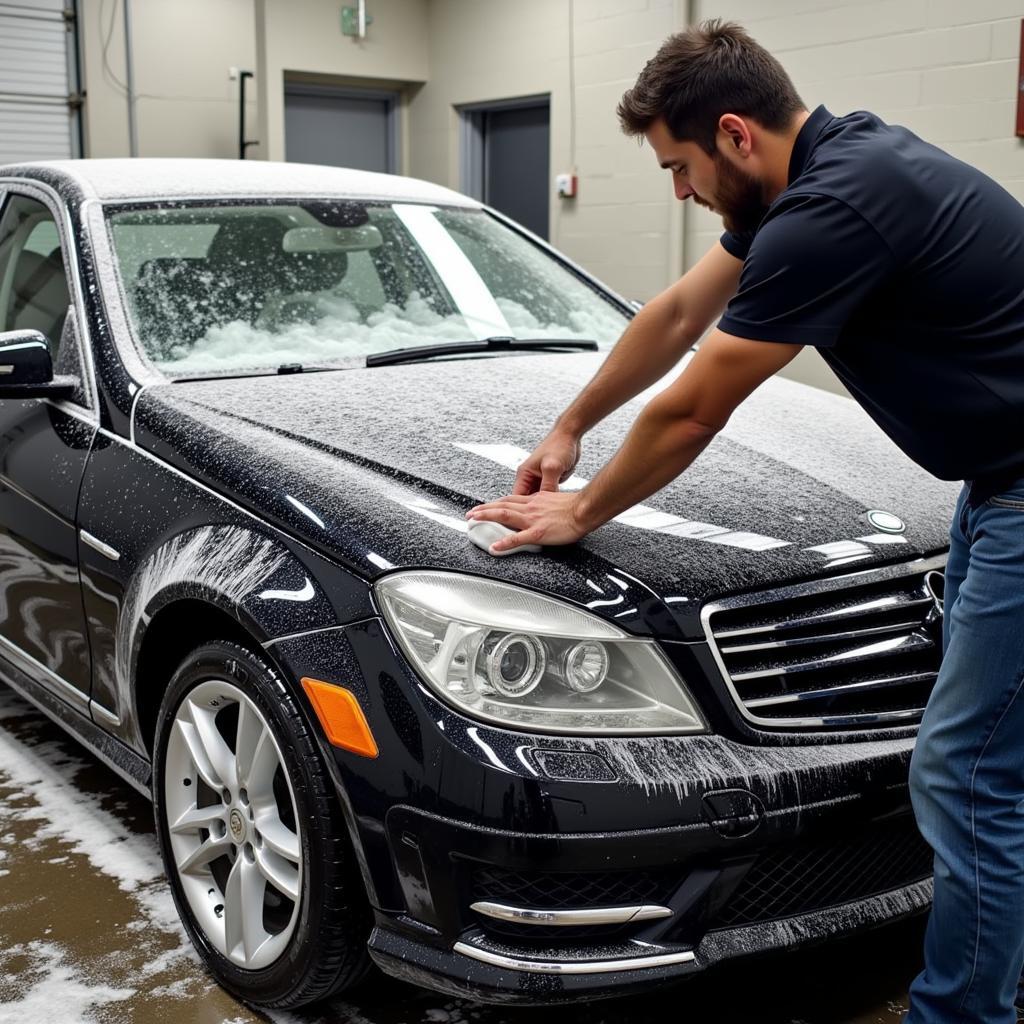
<point>684,765</point>
<point>46,981</point>
<point>644,517</point>
<point>227,560</point>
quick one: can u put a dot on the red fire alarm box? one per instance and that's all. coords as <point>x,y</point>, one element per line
<point>1020,86</point>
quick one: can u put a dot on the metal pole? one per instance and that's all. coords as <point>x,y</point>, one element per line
<point>242,144</point>
<point>133,132</point>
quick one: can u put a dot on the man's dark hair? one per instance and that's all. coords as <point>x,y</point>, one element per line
<point>698,75</point>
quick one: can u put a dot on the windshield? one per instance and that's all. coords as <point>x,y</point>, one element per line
<point>238,288</point>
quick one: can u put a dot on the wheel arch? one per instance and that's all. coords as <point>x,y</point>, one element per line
<point>219,581</point>
<point>178,627</point>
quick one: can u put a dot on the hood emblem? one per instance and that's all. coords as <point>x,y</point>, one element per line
<point>886,521</point>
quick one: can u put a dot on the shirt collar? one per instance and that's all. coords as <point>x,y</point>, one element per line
<point>805,141</point>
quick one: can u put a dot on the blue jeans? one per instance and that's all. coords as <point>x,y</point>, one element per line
<point>967,775</point>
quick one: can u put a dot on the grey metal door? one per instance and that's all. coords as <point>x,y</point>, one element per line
<point>39,99</point>
<point>506,152</point>
<point>516,156</point>
<point>341,127</point>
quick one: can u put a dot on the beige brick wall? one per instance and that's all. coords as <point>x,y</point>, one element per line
<point>305,36</point>
<point>945,69</point>
<point>187,105</point>
<point>624,225</point>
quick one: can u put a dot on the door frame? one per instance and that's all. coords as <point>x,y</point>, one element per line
<point>391,97</point>
<point>472,144</point>
<point>48,196</point>
<point>41,678</point>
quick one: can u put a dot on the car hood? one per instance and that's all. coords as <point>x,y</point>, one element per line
<point>378,466</point>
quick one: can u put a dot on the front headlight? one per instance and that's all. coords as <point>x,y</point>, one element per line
<point>524,660</point>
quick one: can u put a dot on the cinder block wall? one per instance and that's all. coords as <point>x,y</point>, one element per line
<point>305,37</point>
<point>187,105</point>
<point>944,68</point>
<point>624,225</point>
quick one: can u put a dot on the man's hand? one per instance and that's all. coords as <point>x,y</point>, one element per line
<point>547,517</point>
<point>671,431</point>
<point>551,462</point>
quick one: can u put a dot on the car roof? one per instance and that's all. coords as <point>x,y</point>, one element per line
<point>186,178</point>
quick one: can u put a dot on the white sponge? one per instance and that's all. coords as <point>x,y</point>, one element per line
<point>483,533</point>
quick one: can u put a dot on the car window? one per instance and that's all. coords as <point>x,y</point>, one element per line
<point>43,238</point>
<point>512,268</point>
<point>34,292</point>
<point>362,281</point>
<point>243,287</point>
<point>143,242</point>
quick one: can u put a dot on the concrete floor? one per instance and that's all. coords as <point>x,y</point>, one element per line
<point>88,931</point>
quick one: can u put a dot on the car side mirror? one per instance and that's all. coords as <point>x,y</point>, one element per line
<point>26,368</point>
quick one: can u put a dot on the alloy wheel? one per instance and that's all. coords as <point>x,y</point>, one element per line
<point>234,832</point>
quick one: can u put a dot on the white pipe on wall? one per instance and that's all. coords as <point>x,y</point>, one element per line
<point>133,131</point>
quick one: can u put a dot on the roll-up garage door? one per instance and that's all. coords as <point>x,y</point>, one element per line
<point>39,99</point>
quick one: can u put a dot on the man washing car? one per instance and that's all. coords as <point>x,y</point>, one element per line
<point>905,268</point>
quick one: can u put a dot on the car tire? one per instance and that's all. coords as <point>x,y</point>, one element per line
<point>262,872</point>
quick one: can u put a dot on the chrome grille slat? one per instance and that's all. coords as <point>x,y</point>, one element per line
<point>897,645</point>
<point>839,613</point>
<point>869,718</point>
<point>818,638</point>
<point>843,652</point>
<point>871,684</point>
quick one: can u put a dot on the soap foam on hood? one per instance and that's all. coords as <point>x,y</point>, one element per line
<point>339,441</point>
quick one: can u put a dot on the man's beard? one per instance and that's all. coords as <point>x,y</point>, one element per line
<point>739,199</point>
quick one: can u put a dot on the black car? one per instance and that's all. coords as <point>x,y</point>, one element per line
<point>244,408</point>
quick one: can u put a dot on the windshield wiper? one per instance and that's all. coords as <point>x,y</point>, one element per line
<point>270,371</point>
<point>498,344</point>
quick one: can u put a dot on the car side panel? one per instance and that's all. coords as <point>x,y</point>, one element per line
<point>43,453</point>
<point>175,539</point>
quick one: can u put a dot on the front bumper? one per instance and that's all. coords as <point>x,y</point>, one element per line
<point>719,848</point>
<point>506,976</point>
<point>817,872</point>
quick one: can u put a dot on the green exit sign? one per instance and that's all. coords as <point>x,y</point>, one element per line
<point>350,21</point>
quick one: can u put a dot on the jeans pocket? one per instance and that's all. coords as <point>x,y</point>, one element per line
<point>1006,501</point>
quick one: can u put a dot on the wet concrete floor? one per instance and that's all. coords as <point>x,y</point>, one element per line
<point>88,930</point>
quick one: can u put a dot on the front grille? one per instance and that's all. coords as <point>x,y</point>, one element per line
<point>536,890</point>
<point>572,891</point>
<point>796,880</point>
<point>863,650</point>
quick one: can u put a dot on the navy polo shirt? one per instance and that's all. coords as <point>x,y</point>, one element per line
<point>904,267</point>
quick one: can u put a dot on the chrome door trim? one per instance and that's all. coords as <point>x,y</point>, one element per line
<point>97,545</point>
<point>100,713</point>
<point>57,684</point>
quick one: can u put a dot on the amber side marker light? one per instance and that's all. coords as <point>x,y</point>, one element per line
<point>341,716</point>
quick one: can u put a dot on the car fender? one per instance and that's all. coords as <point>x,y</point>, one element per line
<point>249,575</point>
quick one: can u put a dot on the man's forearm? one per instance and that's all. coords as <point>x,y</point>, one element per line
<point>652,344</point>
<point>659,446</point>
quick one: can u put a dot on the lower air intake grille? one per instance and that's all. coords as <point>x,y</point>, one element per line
<point>791,880</point>
<point>863,650</point>
<point>563,891</point>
